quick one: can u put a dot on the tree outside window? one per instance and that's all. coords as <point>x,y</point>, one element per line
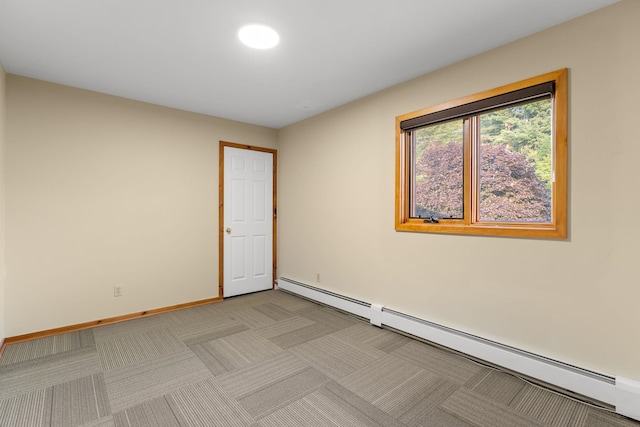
<point>494,163</point>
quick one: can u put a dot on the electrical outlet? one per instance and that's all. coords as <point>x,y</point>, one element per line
<point>318,277</point>
<point>117,291</point>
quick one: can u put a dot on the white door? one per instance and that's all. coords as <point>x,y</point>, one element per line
<point>248,221</point>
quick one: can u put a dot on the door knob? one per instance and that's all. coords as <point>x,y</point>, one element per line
<point>228,230</point>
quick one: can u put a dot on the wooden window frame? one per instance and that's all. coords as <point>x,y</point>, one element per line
<point>555,229</point>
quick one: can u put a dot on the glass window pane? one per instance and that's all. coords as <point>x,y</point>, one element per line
<point>438,175</point>
<point>516,164</point>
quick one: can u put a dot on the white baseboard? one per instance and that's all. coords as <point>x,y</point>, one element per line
<point>628,397</point>
<point>620,392</point>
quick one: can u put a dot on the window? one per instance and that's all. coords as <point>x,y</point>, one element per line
<point>494,163</point>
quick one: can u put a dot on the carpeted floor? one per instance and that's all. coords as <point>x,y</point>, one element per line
<point>266,359</point>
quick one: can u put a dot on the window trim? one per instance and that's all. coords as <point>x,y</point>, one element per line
<point>556,229</point>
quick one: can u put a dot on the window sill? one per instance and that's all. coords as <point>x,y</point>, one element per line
<point>542,231</point>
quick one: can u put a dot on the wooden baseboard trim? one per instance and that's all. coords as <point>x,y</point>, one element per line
<point>93,324</point>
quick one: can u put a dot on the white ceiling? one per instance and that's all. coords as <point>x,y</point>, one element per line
<point>185,53</point>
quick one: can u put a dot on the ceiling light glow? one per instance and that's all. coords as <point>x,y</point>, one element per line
<point>258,36</point>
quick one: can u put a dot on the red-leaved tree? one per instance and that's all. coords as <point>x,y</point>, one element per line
<point>510,190</point>
<point>439,182</point>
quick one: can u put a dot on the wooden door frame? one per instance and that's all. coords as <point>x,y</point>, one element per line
<point>221,211</point>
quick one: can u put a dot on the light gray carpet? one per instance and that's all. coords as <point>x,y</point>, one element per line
<point>265,359</point>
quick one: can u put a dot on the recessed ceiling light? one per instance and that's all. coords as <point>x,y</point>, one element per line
<point>258,36</point>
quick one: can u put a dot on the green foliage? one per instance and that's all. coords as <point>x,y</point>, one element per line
<point>515,166</point>
<point>526,129</point>
<point>439,134</point>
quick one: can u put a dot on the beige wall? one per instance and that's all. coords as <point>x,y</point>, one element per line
<point>572,300</point>
<point>104,191</point>
<point>2,202</point>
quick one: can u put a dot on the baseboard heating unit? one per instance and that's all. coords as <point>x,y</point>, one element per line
<point>623,393</point>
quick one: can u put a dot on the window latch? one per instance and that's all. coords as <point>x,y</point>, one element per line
<point>431,220</point>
